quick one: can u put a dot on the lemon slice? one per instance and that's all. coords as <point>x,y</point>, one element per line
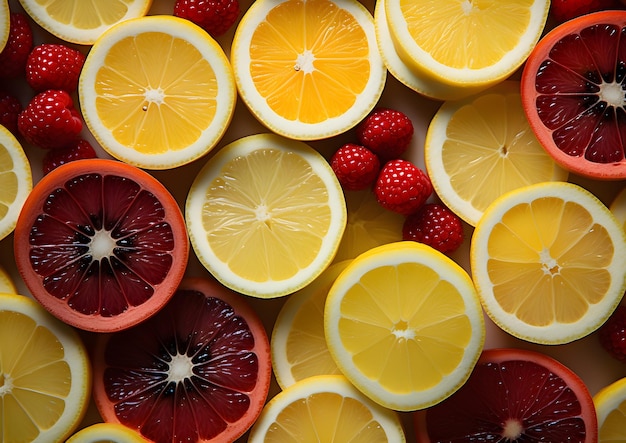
<point>325,408</point>
<point>610,404</point>
<point>157,92</point>
<point>481,147</point>
<point>618,207</point>
<point>106,433</point>
<point>265,215</point>
<point>5,23</point>
<point>16,180</point>
<point>45,373</point>
<point>465,45</point>
<point>83,21</point>
<point>7,285</point>
<point>308,70</point>
<point>548,262</point>
<point>404,324</point>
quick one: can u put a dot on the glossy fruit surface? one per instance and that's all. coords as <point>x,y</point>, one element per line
<point>610,403</point>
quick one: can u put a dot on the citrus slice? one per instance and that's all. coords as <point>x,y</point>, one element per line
<point>157,92</point>
<point>404,325</point>
<point>298,343</point>
<point>573,97</point>
<point>101,244</point>
<point>308,70</point>
<point>513,395</point>
<point>618,207</point>
<point>325,408</point>
<point>464,46</point>
<point>16,180</point>
<point>5,23</point>
<point>368,225</point>
<point>198,371</point>
<point>7,285</point>
<point>106,433</point>
<point>548,262</point>
<point>265,215</point>
<point>610,403</point>
<point>83,21</point>
<point>45,373</point>
<point>481,147</point>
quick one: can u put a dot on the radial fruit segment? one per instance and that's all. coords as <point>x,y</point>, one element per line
<point>513,395</point>
<point>5,25</point>
<point>101,244</point>
<point>610,403</point>
<point>198,371</point>
<point>574,94</point>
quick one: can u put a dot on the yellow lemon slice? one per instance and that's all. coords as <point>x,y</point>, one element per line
<point>298,344</point>
<point>45,373</point>
<point>465,45</point>
<point>157,92</point>
<point>404,324</point>
<point>265,215</point>
<point>106,433</point>
<point>16,180</point>
<point>610,404</point>
<point>308,70</point>
<point>481,147</point>
<point>325,408</point>
<point>548,262</point>
<point>618,207</point>
<point>83,21</point>
<point>5,23</point>
<point>7,285</point>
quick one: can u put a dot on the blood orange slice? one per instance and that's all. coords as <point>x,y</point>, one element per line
<point>513,395</point>
<point>573,94</point>
<point>100,244</point>
<point>198,371</point>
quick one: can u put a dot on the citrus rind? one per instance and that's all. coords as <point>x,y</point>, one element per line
<point>618,207</point>
<point>610,401</point>
<point>5,23</point>
<point>105,432</point>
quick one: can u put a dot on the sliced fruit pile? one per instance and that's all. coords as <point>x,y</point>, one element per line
<point>319,220</point>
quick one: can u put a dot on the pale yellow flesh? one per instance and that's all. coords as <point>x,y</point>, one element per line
<point>9,181</point>
<point>86,14</point>
<point>614,427</point>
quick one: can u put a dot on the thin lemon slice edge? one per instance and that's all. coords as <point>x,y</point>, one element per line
<point>106,432</point>
<point>610,404</point>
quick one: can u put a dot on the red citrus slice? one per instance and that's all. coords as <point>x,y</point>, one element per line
<point>513,395</point>
<point>198,371</point>
<point>100,244</point>
<point>573,92</point>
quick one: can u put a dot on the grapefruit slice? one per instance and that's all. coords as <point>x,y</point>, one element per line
<point>197,371</point>
<point>573,94</point>
<point>513,395</point>
<point>100,244</point>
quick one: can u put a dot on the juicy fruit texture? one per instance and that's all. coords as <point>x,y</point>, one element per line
<point>16,181</point>
<point>157,92</point>
<point>612,334</point>
<point>573,97</point>
<point>402,187</point>
<point>355,166</point>
<point>106,432</point>
<point>19,44</point>
<point>610,403</point>
<point>198,371</point>
<point>563,10</point>
<point>5,23</point>
<point>214,16</point>
<point>386,132</point>
<point>451,43</point>
<point>7,285</point>
<point>45,372</point>
<point>54,66</point>
<point>298,343</point>
<point>83,21</point>
<point>265,215</point>
<point>10,108</point>
<point>481,147</point>
<point>435,225</point>
<point>101,244</point>
<point>308,70</point>
<point>79,150</point>
<point>404,325</point>
<point>557,244</point>
<point>513,395</point>
<point>325,408</point>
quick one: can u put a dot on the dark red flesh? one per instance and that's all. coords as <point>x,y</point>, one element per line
<point>225,368</point>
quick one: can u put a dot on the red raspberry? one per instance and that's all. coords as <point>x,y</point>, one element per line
<point>612,334</point>
<point>402,187</point>
<point>386,132</point>
<point>10,108</point>
<point>214,16</point>
<point>76,151</point>
<point>355,166</point>
<point>54,66</point>
<point>435,225</point>
<point>563,10</point>
<point>20,43</point>
<point>50,120</point>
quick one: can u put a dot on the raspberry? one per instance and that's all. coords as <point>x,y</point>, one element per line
<point>214,16</point>
<point>434,225</point>
<point>13,56</point>
<point>10,108</point>
<point>54,66</point>
<point>612,334</point>
<point>563,10</point>
<point>386,132</point>
<point>50,120</point>
<point>76,151</point>
<point>402,187</point>
<point>355,166</point>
